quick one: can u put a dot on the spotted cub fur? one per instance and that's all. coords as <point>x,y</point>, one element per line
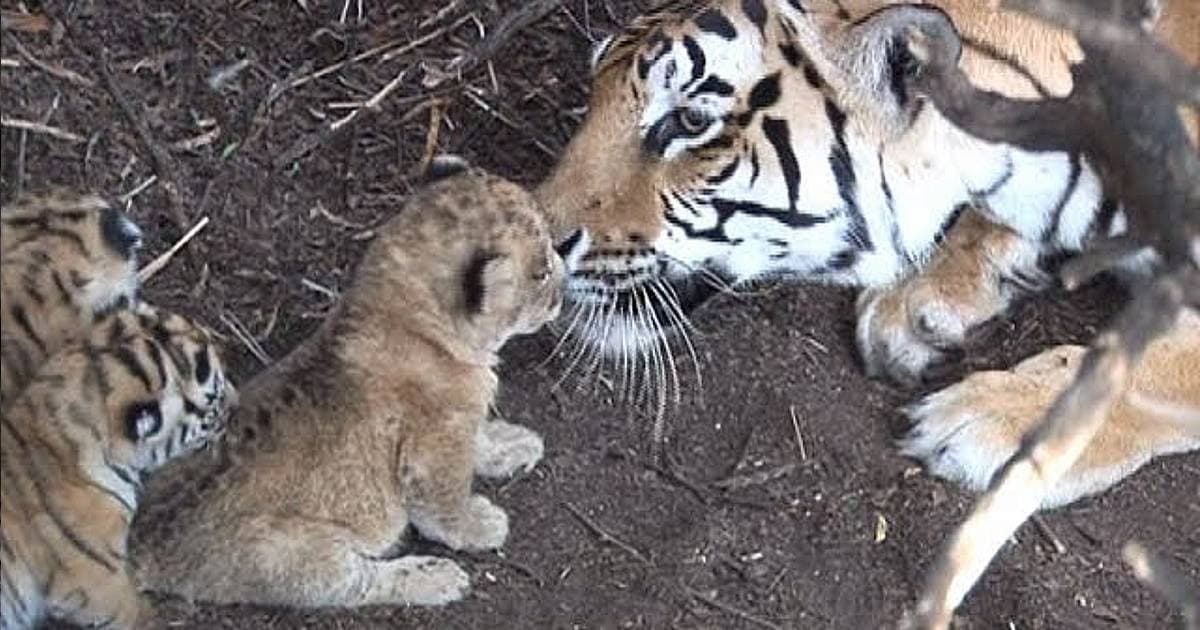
<point>375,423</point>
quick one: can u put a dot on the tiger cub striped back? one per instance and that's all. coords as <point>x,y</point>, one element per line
<point>64,257</point>
<point>145,386</point>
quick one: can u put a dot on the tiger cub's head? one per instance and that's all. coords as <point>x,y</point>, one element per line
<point>164,387</point>
<point>723,144</point>
<point>77,247</point>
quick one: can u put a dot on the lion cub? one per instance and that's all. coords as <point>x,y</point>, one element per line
<point>377,421</point>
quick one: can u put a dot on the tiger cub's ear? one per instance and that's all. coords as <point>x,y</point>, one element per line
<point>599,50</point>
<point>878,51</point>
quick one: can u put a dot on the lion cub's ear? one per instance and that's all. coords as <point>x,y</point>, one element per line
<point>474,279</point>
<point>443,166</point>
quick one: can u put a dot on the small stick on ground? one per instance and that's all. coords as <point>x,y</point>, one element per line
<point>1045,530</point>
<point>799,437</point>
<point>36,127</point>
<point>603,535</point>
<point>54,71</point>
<point>252,346</point>
<point>160,160</point>
<point>514,22</point>
<point>154,266</point>
<point>756,478</point>
<point>736,612</point>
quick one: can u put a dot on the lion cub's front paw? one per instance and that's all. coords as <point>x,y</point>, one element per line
<point>479,524</point>
<point>422,581</point>
<point>503,448</point>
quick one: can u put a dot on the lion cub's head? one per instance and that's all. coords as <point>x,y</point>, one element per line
<point>476,248</point>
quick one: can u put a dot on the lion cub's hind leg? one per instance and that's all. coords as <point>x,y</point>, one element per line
<point>503,448</point>
<point>299,561</point>
<point>969,430</point>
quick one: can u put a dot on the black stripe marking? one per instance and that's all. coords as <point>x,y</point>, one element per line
<point>951,219</point>
<point>779,136</point>
<point>847,181</point>
<point>995,186</point>
<point>696,55</point>
<point>130,362</point>
<point>22,319</point>
<point>713,85</point>
<point>993,53</point>
<point>796,4</point>
<point>1102,223</point>
<point>725,173</point>
<point>1051,231</point>
<point>715,22</point>
<point>765,93</point>
<point>791,54</point>
<point>897,240</point>
<point>756,13</point>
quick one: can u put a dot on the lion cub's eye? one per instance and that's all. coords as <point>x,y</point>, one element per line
<point>543,272</point>
<point>692,121</point>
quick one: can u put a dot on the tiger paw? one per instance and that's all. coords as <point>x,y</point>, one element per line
<point>901,336</point>
<point>477,525</point>
<point>503,448</point>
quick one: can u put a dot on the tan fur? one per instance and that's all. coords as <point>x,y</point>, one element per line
<point>75,444</point>
<point>967,431</point>
<point>58,269</point>
<point>376,422</point>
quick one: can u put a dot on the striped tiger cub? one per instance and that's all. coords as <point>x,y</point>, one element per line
<point>146,386</point>
<point>65,258</point>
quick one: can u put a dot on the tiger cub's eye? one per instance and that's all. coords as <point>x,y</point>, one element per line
<point>693,120</point>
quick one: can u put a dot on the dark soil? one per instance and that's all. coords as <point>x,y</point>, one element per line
<point>291,210</point>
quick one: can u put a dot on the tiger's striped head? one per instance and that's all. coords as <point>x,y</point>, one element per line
<point>163,385</point>
<point>722,145</point>
<point>77,248</point>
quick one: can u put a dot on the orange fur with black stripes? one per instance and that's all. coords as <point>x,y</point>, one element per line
<point>144,387</point>
<point>64,257</point>
<point>734,140</point>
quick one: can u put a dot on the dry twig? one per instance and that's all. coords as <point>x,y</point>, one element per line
<point>603,535</point>
<point>52,70</point>
<point>42,128</point>
<point>154,266</point>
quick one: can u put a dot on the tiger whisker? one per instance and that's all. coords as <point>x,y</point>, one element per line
<point>576,312</point>
<point>675,312</point>
<point>598,353</point>
<point>664,341</point>
<point>581,346</point>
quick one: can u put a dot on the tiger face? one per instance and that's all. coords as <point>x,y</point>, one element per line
<point>726,145</point>
<point>167,390</point>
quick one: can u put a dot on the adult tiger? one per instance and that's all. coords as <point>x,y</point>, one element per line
<point>744,139</point>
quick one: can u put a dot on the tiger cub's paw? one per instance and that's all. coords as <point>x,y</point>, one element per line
<point>503,448</point>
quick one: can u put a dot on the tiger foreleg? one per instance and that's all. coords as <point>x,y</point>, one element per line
<point>975,275</point>
<point>101,599</point>
<point>969,430</point>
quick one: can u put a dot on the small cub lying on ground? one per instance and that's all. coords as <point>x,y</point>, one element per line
<point>377,421</point>
<point>146,387</point>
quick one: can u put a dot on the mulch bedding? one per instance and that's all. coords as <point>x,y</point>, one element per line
<point>779,500</point>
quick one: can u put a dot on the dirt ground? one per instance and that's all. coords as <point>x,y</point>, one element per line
<point>755,521</point>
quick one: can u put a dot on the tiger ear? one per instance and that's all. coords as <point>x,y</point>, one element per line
<point>599,50</point>
<point>879,49</point>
